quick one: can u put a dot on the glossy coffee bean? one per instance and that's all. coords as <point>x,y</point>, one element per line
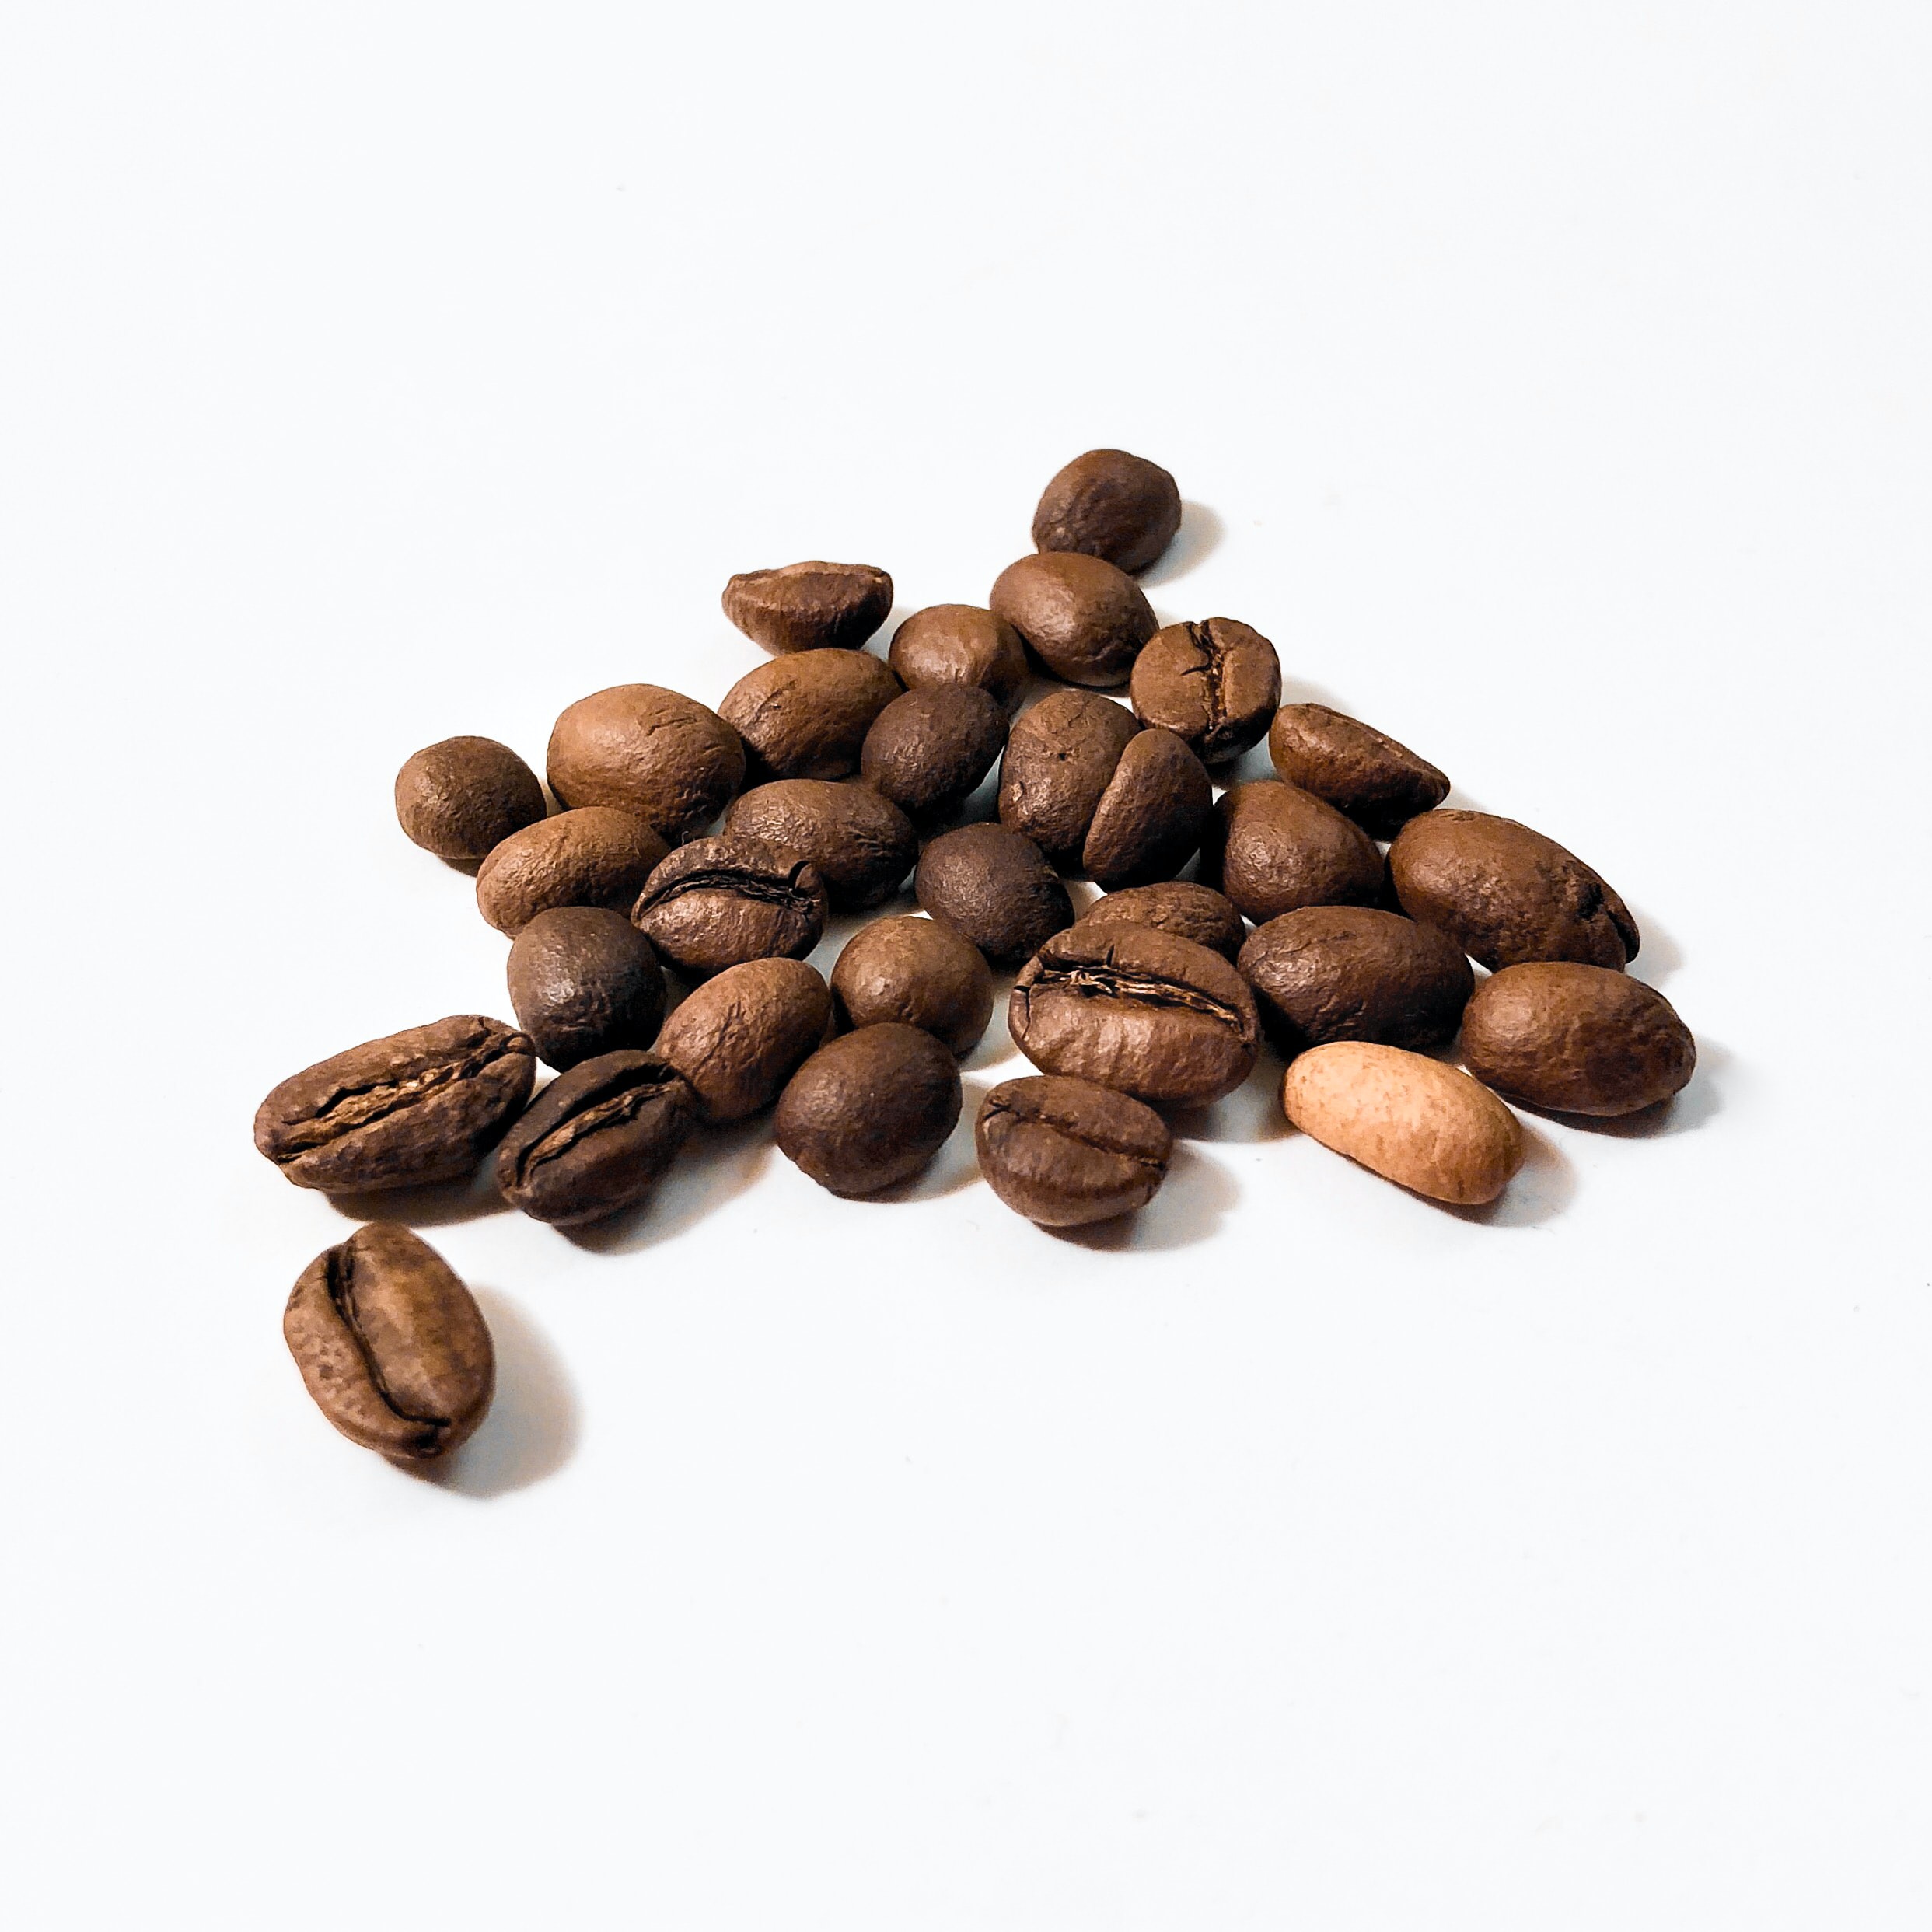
<point>928,751</point>
<point>1110,504</point>
<point>1214,684</point>
<point>1059,756</point>
<point>657,754</point>
<point>994,888</point>
<point>1360,771</point>
<point>960,643</point>
<point>862,844</point>
<point>1180,907</point>
<point>1275,848</point>
<point>809,606</point>
<point>1149,821</point>
<point>584,981</point>
<point>869,1110</point>
<point>918,972</point>
<point>1084,620</point>
<point>461,797</point>
<point>806,715</point>
<point>740,1037</point>
<point>717,903</point>
<point>1066,1153</point>
<point>593,856</point>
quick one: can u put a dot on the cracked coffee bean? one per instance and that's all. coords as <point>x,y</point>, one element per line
<point>584,981</point>
<point>1177,905</point>
<point>740,1037</point>
<point>994,887</point>
<point>1084,620</point>
<point>862,844</point>
<point>809,606</point>
<point>869,1110</point>
<point>1066,1153</point>
<point>1110,504</point>
<point>1149,821</point>
<point>917,972</point>
<point>1215,685</point>
<point>947,644</point>
<point>1277,848</point>
<point>662,757</point>
<point>805,716</point>
<point>1059,758</point>
<point>717,903</point>
<point>592,856</point>
<point>1381,785</point>
<point>464,797</point>
<point>928,751</point>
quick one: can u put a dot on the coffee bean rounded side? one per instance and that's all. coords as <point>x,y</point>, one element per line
<point>1214,684</point>
<point>806,715</point>
<point>1066,1153</point>
<point>917,972</point>
<point>1177,905</point>
<point>862,844</point>
<point>584,981</point>
<point>1275,848</point>
<point>593,855</point>
<point>1150,819</point>
<point>718,902</point>
<point>463,796</point>
<point>870,1108</point>
<point>1108,503</point>
<point>809,606</point>
<point>1083,619</point>
<point>947,644</point>
<point>928,750</point>
<point>639,748</point>
<point>1379,784</point>
<point>1059,756</point>
<point>994,887</point>
<point>739,1038</point>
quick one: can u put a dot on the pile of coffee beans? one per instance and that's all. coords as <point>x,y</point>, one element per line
<point>714,845</point>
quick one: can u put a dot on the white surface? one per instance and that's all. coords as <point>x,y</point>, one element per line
<point>1551,383</point>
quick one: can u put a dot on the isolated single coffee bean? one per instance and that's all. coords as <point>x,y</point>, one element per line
<point>662,757</point>
<point>717,903</point>
<point>596,1139</point>
<point>1381,785</point>
<point>420,1105</point>
<point>1275,848</point>
<point>928,751</point>
<point>391,1345</point>
<point>1084,620</point>
<point>584,981</point>
<point>1575,1038</point>
<point>462,797</point>
<point>592,856</point>
<point>1149,821</point>
<point>1060,756</point>
<point>918,972</point>
<point>1427,1127</point>
<point>739,1038</point>
<point>1178,906</point>
<point>960,643</point>
<point>1110,504</point>
<point>994,887</point>
<point>1066,1153</point>
<point>1136,1010</point>
<point>869,1110</point>
<point>809,606</point>
<point>1214,684</point>
<point>1507,895</point>
<point>805,716</point>
<point>862,844</point>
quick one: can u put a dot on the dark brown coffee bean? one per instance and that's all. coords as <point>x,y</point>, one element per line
<point>869,1110</point>
<point>717,903</point>
<point>462,797</point>
<point>1065,1153</point>
<point>1575,1038</point>
<point>1192,912</point>
<point>1149,821</point>
<point>738,1038</point>
<point>584,981</point>
<point>1059,756</point>
<point>391,1345</point>
<point>960,643</point>
<point>1354,973</point>
<point>994,888</point>
<point>596,1139</point>
<point>1381,785</point>
<point>863,845</point>
<point>809,606</point>
<point>928,751</point>
<point>1084,620</point>
<point>1275,848</point>
<point>1214,684</point>
<point>1507,895</point>
<point>423,1105</point>
<point>1142,1011</point>
<point>806,715</point>
<point>917,972</point>
<point>1108,504</point>
<point>593,856</point>
<point>665,757</point>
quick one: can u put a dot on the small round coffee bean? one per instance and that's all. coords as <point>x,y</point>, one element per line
<point>928,751</point>
<point>862,844</point>
<point>592,856</point>
<point>1059,756</point>
<point>738,1039</point>
<point>717,903</point>
<point>809,606</point>
<point>1277,848</point>
<point>994,888</point>
<point>584,981</point>
<point>1214,684</point>
<point>1149,821</point>
<point>1381,785</point>
<point>1177,905</point>
<point>1110,504</point>
<point>657,754</point>
<point>1066,1153</point>
<point>1575,1038</point>
<point>869,1108</point>
<point>960,643</point>
<point>462,797</point>
<point>917,972</point>
<point>805,716</point>
<point>1083,619</point>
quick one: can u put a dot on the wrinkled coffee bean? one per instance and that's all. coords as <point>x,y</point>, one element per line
<point>584,981</point>
<point>1149,821</point>
<point>862,844</point>
<point>1110,504</point>
<point>1084,620</point>
<point>672,761</point>
<point>1381,785</point>
<point>1192,912</point>
<point>1275,848</point>
<point>1214,684</point>
<point>391,1345</point>
<point>917,972</point>
<point>592,856</point>
<point>462,797</point>
<point>994,888</point>
<point>805,716</point>
<point>928,751</point>
<point>420,1105</point>
<point>717,903</point>
<point>869,1108</point>
<point>1059,758</point>
<point>1065,1153</point>
<point>809,606</point>
<point>960,643</point>
<point>739,1038</point>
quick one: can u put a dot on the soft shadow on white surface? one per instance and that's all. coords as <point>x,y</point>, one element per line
<point>435,1207</point>
<point>1189,1209</point>
<point>1199,536</point>
<point>713,1169</point>
<point>1658,954</point>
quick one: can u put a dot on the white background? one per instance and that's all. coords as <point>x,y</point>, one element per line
<point>1551,383</point>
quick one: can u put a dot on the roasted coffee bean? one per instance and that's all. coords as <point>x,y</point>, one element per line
<point>592,856</point>
<point>1065,1153</point>
<point>1214,684</point>
<point>596,1139</point>
<point>869,1110</point>
<point>1059,758</point>
<point>806,715</point>
<point>391,1345</point>
<point>1381,785</point>
<point>917,972</point>
<point>1192,912</point>
<point>738,1039</point>
<point>1149,821</point>
<point>1576,1039</point>
<point>1275,848</point>
<point>1085,619</point>
<point>423,1105</point>
<point>1139,1011</point>
<point>1354,973</point>
<point>717,903</point>
<point>1507,895</point>
<point>584,981</point>
<point>862,844</point>
<point>461,797</point>
<point>1108,504</point>
<point>663,757</point>
<point>994,887</point>
<point>960,643</point>
<point>928,751</point>
<point>1412,1120</point>
<point>809,606</point>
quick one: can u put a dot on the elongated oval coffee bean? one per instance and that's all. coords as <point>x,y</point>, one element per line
<point>1215,685</point>
<point>1084,620</point>
<point>869,1110</point>
<point>1149,821</point>
<point>862,844</point>
<point>928,751</point>
<point>464,796</point>
<point>950,645</point>
<point>806,715</point>
<point>1277,848</point>
<point>1177,905</point>
<point>1066,1153</point>
<point>1108,503</point>
<point>994,888</point>
<point>638,748</point>
<point>740,1036</point>
<point>593,856</point>
<point>717,903</point>
<point>1059,758</point>
<point>809,606</point>
<point>1381,785</point>
<point>584,981</point>
<point>918,971</point>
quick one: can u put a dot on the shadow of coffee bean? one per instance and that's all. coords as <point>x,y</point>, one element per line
<point>439,1205</point>
<point>1189,1209</point>
<point>715,1166</point>
<point>1198,538</point>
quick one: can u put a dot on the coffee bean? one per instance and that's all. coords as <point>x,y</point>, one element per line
<point>1214,684</point>
<point>391,1345</point>
<point>422,1105</point>
<point>1065,1153</point>
<point>960,643</point>
<point>460,798</point>
<point>584,981</point>
<point>994,888</point>
<point>1059,756</point>
<point>1576,1039</point>
<point>869,1110</point>
<point>1139,1011</point>
<point>805,716</point>
<point>665,757</point>
<point>809,606</point>
<point>1108,504</point>
<point>928,751</point>
<point>1275,848</point>
<point>1409,1119</point>
<point>592,856</point>
<point>738,1039</point>
<point>1507,895</point>
<point>862,844</point>
<point>1085,619</point>
<point>1381,785</point>
<point>917,972</point>
<point>1180,907</point>
<point>717,903</point>
<point>1149,821</point>
<point>596,1139</point>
